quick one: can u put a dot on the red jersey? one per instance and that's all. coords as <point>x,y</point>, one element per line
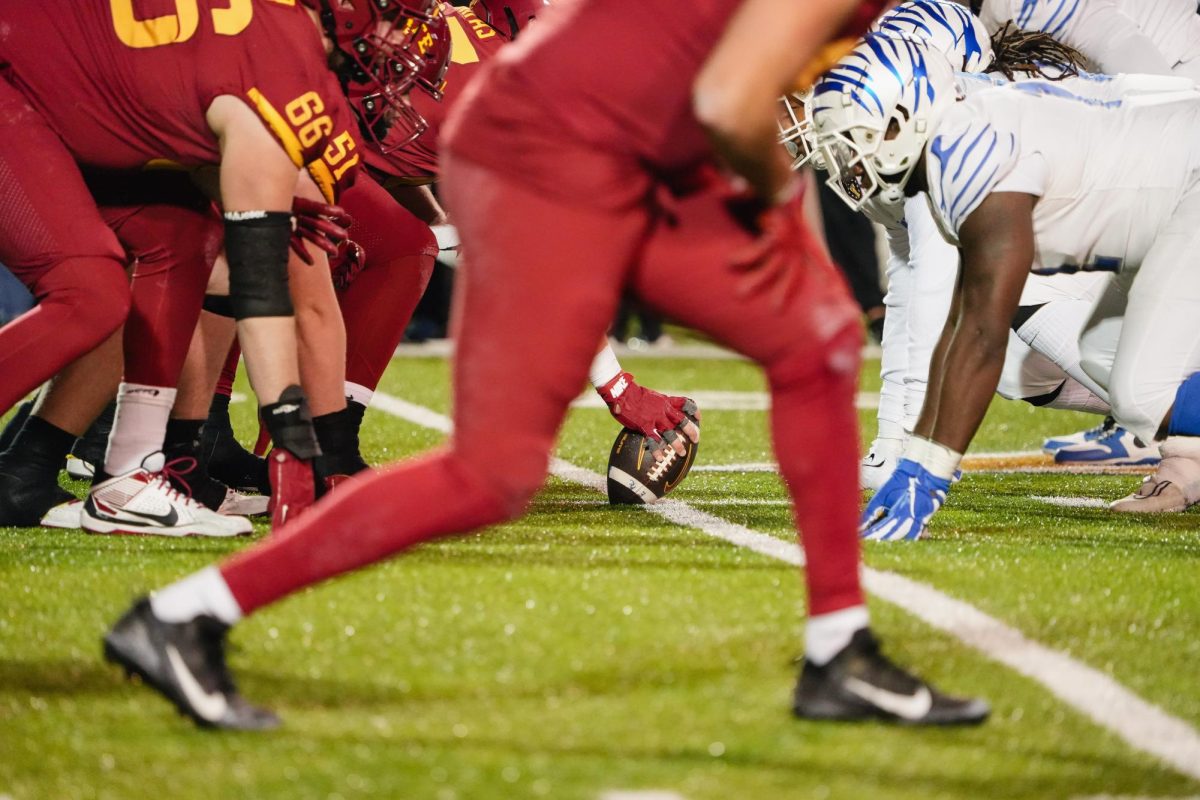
<point>472,43</point>
<point>126,83</point>
<point>587,74</point>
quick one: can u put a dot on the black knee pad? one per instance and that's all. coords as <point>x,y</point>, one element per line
<point>256,246</point>
<point>219,304</point>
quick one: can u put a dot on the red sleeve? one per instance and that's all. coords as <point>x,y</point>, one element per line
<point>279,70</point>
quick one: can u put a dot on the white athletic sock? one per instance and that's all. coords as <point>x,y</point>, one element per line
<point>890,429</point>
<point>605,367</point>
<point>826,635</point>
<point>139,426</point>
<point>1074,396</point>
<point>204,592</point>
<point>359,393</point>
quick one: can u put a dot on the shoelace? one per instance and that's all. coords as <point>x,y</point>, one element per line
<point>176,469</point>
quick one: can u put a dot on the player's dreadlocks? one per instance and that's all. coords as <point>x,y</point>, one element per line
<point>1030,52</point>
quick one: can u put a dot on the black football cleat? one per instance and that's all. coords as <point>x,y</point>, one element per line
<point>91,447</point>
<point>226,459</point>
<point>860,683</point>
<point>14,424</point>
<point>26,498</point>
<point>184,662</point>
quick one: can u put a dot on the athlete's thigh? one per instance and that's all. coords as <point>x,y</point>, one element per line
<point>385,229</point>
<point>687,272</point>
<point>46,213</point>
<point>1160,341</point>
<point>536,291</point>
<point>1027,373</point>
<point>1101,332</point>
<point>164,223</point>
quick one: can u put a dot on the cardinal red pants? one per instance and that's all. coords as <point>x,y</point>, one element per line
<point>378,300</point>
<point>173,236</point>
<point>539,288</point>
<point>53,239</point>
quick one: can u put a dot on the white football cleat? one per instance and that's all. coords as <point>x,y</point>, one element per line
<point>79,469</point>
<point>1117,448</point>
<point>243,505</point>
<point>1056,443</point>
<point>64,515</point>
<point>1174,486</point>
<point>143,501</point>
<point>879,463</point>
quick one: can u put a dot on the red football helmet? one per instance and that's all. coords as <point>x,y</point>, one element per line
<point>372,41</point>
<point>508,16</point>
<point>423,64</point>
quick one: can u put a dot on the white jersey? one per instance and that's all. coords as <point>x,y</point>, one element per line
<point>1108,173</point>
<point>1149,36</point>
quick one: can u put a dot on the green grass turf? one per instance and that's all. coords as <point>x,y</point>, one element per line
<point>585,648</point>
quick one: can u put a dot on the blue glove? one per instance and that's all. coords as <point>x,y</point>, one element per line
<point>905,504</point>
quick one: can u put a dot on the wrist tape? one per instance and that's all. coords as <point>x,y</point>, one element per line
<point>939,460</point>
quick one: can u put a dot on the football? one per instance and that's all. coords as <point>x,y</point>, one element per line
<point>635,478</point>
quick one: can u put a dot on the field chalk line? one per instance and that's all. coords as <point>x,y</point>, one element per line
<point>1141,724</point>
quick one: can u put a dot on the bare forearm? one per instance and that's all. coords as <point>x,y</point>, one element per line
<point>966,380</point>
<point>764,49</point>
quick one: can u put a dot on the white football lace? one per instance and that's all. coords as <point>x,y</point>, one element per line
<point>659,468</point>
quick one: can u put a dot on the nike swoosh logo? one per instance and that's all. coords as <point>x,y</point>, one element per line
<point>905,706</point>
<point>209,705</point>
<point>167,520</point>
<point>682,472</point>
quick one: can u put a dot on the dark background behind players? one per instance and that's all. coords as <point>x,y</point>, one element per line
<point>14,297</point>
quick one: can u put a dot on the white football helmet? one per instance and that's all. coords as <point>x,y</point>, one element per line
<point>947,27</point>
<point>795,130</point>
<point>873,113</point>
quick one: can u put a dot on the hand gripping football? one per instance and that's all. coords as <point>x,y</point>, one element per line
<point>634,477</point>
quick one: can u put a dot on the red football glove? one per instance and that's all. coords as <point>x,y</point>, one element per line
<point>774,263</point>
<point>346,264</point>
<point>646,411</point>
<point>319,224</point>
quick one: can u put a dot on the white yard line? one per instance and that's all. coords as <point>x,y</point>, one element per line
<point>1072,502</point>
<point>444,348</point>
<point>1142,725</point>
<point>732,502</point>
<point>1032,462</point>
<point>640,794</point>
<point>716,400</point>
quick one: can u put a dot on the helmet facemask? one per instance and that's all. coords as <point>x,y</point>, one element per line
<point>873,114</point>
<point>378,53</point>
<point>796,132</point>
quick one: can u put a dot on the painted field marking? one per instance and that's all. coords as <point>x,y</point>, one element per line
<point>727,503</point>
<point>1072,502</point>
<point>1141,724</point>
<point>718,400</point>
<point>1031,462</point>
<point>444,348</point>
<point>642,794</point>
